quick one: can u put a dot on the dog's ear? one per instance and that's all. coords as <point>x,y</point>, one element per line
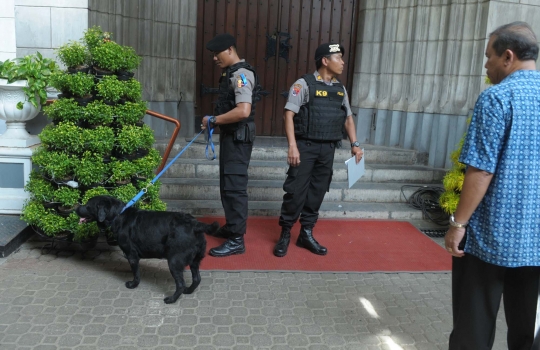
<point>102,214</point>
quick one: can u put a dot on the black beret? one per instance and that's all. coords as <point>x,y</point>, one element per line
<point>221,42</point>
<point>328,49</point>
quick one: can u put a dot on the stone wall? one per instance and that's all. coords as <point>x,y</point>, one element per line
<point>164,34</point>
<point>420,67</point>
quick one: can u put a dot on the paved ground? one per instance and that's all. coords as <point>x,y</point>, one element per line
<point>62,299</point>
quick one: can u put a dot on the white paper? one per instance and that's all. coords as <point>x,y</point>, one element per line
<point>355,171</point>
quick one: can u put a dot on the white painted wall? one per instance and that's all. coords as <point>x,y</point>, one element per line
<point>7,28</point>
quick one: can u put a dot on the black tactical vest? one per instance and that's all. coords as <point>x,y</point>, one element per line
<point>226,100</point>
<point>323,117</point>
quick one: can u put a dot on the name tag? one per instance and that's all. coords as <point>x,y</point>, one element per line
<point>321,93</point>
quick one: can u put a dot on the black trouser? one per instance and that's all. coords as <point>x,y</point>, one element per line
<point>477,288</point>
<point>233,178</point>
<point>307,183</point>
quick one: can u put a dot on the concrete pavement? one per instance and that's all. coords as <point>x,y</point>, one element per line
<point>67,299</point>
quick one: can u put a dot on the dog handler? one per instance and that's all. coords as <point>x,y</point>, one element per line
<point>234,114</point>
<point>316,113</point>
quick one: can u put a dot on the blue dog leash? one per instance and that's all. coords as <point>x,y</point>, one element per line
<point>144,190</point>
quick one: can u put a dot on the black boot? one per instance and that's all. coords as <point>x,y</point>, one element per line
<point>306,240</point>
<point>233,245</point>
<point>280,249</point>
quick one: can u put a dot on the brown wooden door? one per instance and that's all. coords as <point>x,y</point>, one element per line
<point>260,26</point>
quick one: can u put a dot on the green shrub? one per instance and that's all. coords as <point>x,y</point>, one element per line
<point>108,56</point>
<point>65,136</point>
<point>96,191</point>
<point>122,170</point>
<point>39,188</point>
<point>132,90</point>
<point>99,141</point>
<point>125,193</point>
<point>131,138</point>
<point>110,89</point>
<point>130,112</point>
<point>95,36</point>
<point>56,165</point>
<point>148,164</point>
<point>90,169</point>
<point>64,109</point>
<point>97,112</point>
<point>73,54</point>
<point>67,196</point>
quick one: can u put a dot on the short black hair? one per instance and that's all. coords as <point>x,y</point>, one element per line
<point>318,63</point>
<point>517,37</point>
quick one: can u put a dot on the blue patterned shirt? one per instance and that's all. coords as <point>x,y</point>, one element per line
<point>504,140</point>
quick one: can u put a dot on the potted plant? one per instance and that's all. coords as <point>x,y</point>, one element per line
<point>132,90</point>
<point>46,222</point>
<point>130,61</point>
<point>90,169</point>
<point>68,198</point>
<point>131,138</point>
<point>107,57</point>
<point>94,37</point>
<point>92,192</point>
<point>125,193</point>
<point>110,89</point>
<point>130,112</point>
<point>99,141</point>
<point>58,166</point>
<point>41,190</point>
<point>75,56</point>
<point>122,171</point>
<point>147,165</point>
<point>79,86</point>
<point>98,113</point>
<point>32,73</point>
<point>65,136</point>
<point>64,110</point>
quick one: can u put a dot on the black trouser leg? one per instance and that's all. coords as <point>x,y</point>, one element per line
<point>476,295</point>
<point>477,288</point>
<point>520,297</point>
<point>319,184</point>
<point>312,175</point>
<point>234,161</point>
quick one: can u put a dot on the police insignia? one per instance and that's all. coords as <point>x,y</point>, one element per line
<point>242,81</point>
<point>296,89</point>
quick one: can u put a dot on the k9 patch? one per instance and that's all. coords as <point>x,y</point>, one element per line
<point>296,89</point>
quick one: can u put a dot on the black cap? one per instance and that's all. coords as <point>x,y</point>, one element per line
<point>221,42</point>
<point>328,49</point>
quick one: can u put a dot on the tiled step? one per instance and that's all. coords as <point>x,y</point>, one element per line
<point>272,190</point>
<point>276,170</point>
<point>344,210</point>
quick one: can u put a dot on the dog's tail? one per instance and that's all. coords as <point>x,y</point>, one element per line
<point>211,229</point>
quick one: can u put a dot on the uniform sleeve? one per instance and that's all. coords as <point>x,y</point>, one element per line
<point>298,96</point>
<point>346,103</point>
<point>486,134</point>
<point>243,82</point>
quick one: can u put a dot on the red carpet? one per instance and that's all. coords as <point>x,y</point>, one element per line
<point>353,246</point>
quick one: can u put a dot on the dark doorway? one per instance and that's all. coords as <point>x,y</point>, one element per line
<point>279,39</point>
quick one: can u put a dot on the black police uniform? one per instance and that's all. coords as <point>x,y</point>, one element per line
<point>318,126</point>
<point>236,144</point>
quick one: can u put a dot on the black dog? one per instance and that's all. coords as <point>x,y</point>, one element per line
<point>141,234</point>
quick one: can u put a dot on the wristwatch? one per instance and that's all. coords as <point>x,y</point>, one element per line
<point>355,144</point>
<point>453,222</point>
<point>212,120</point>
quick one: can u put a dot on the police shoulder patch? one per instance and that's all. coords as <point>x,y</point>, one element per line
<point>241,80</point>
<point>296,89</point>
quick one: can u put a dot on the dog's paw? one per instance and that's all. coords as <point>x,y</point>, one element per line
<point>170,300</point>
<point>132,284</point>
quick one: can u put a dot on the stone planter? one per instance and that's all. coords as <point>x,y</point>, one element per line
<point>16,134</point>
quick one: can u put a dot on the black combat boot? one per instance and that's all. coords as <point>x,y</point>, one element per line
<point>233,245</point>
<point>306,240</point>
<point>280,249</point>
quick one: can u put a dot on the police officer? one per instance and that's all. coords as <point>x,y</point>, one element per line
<point>234,114</point>
<point>316,113</point>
